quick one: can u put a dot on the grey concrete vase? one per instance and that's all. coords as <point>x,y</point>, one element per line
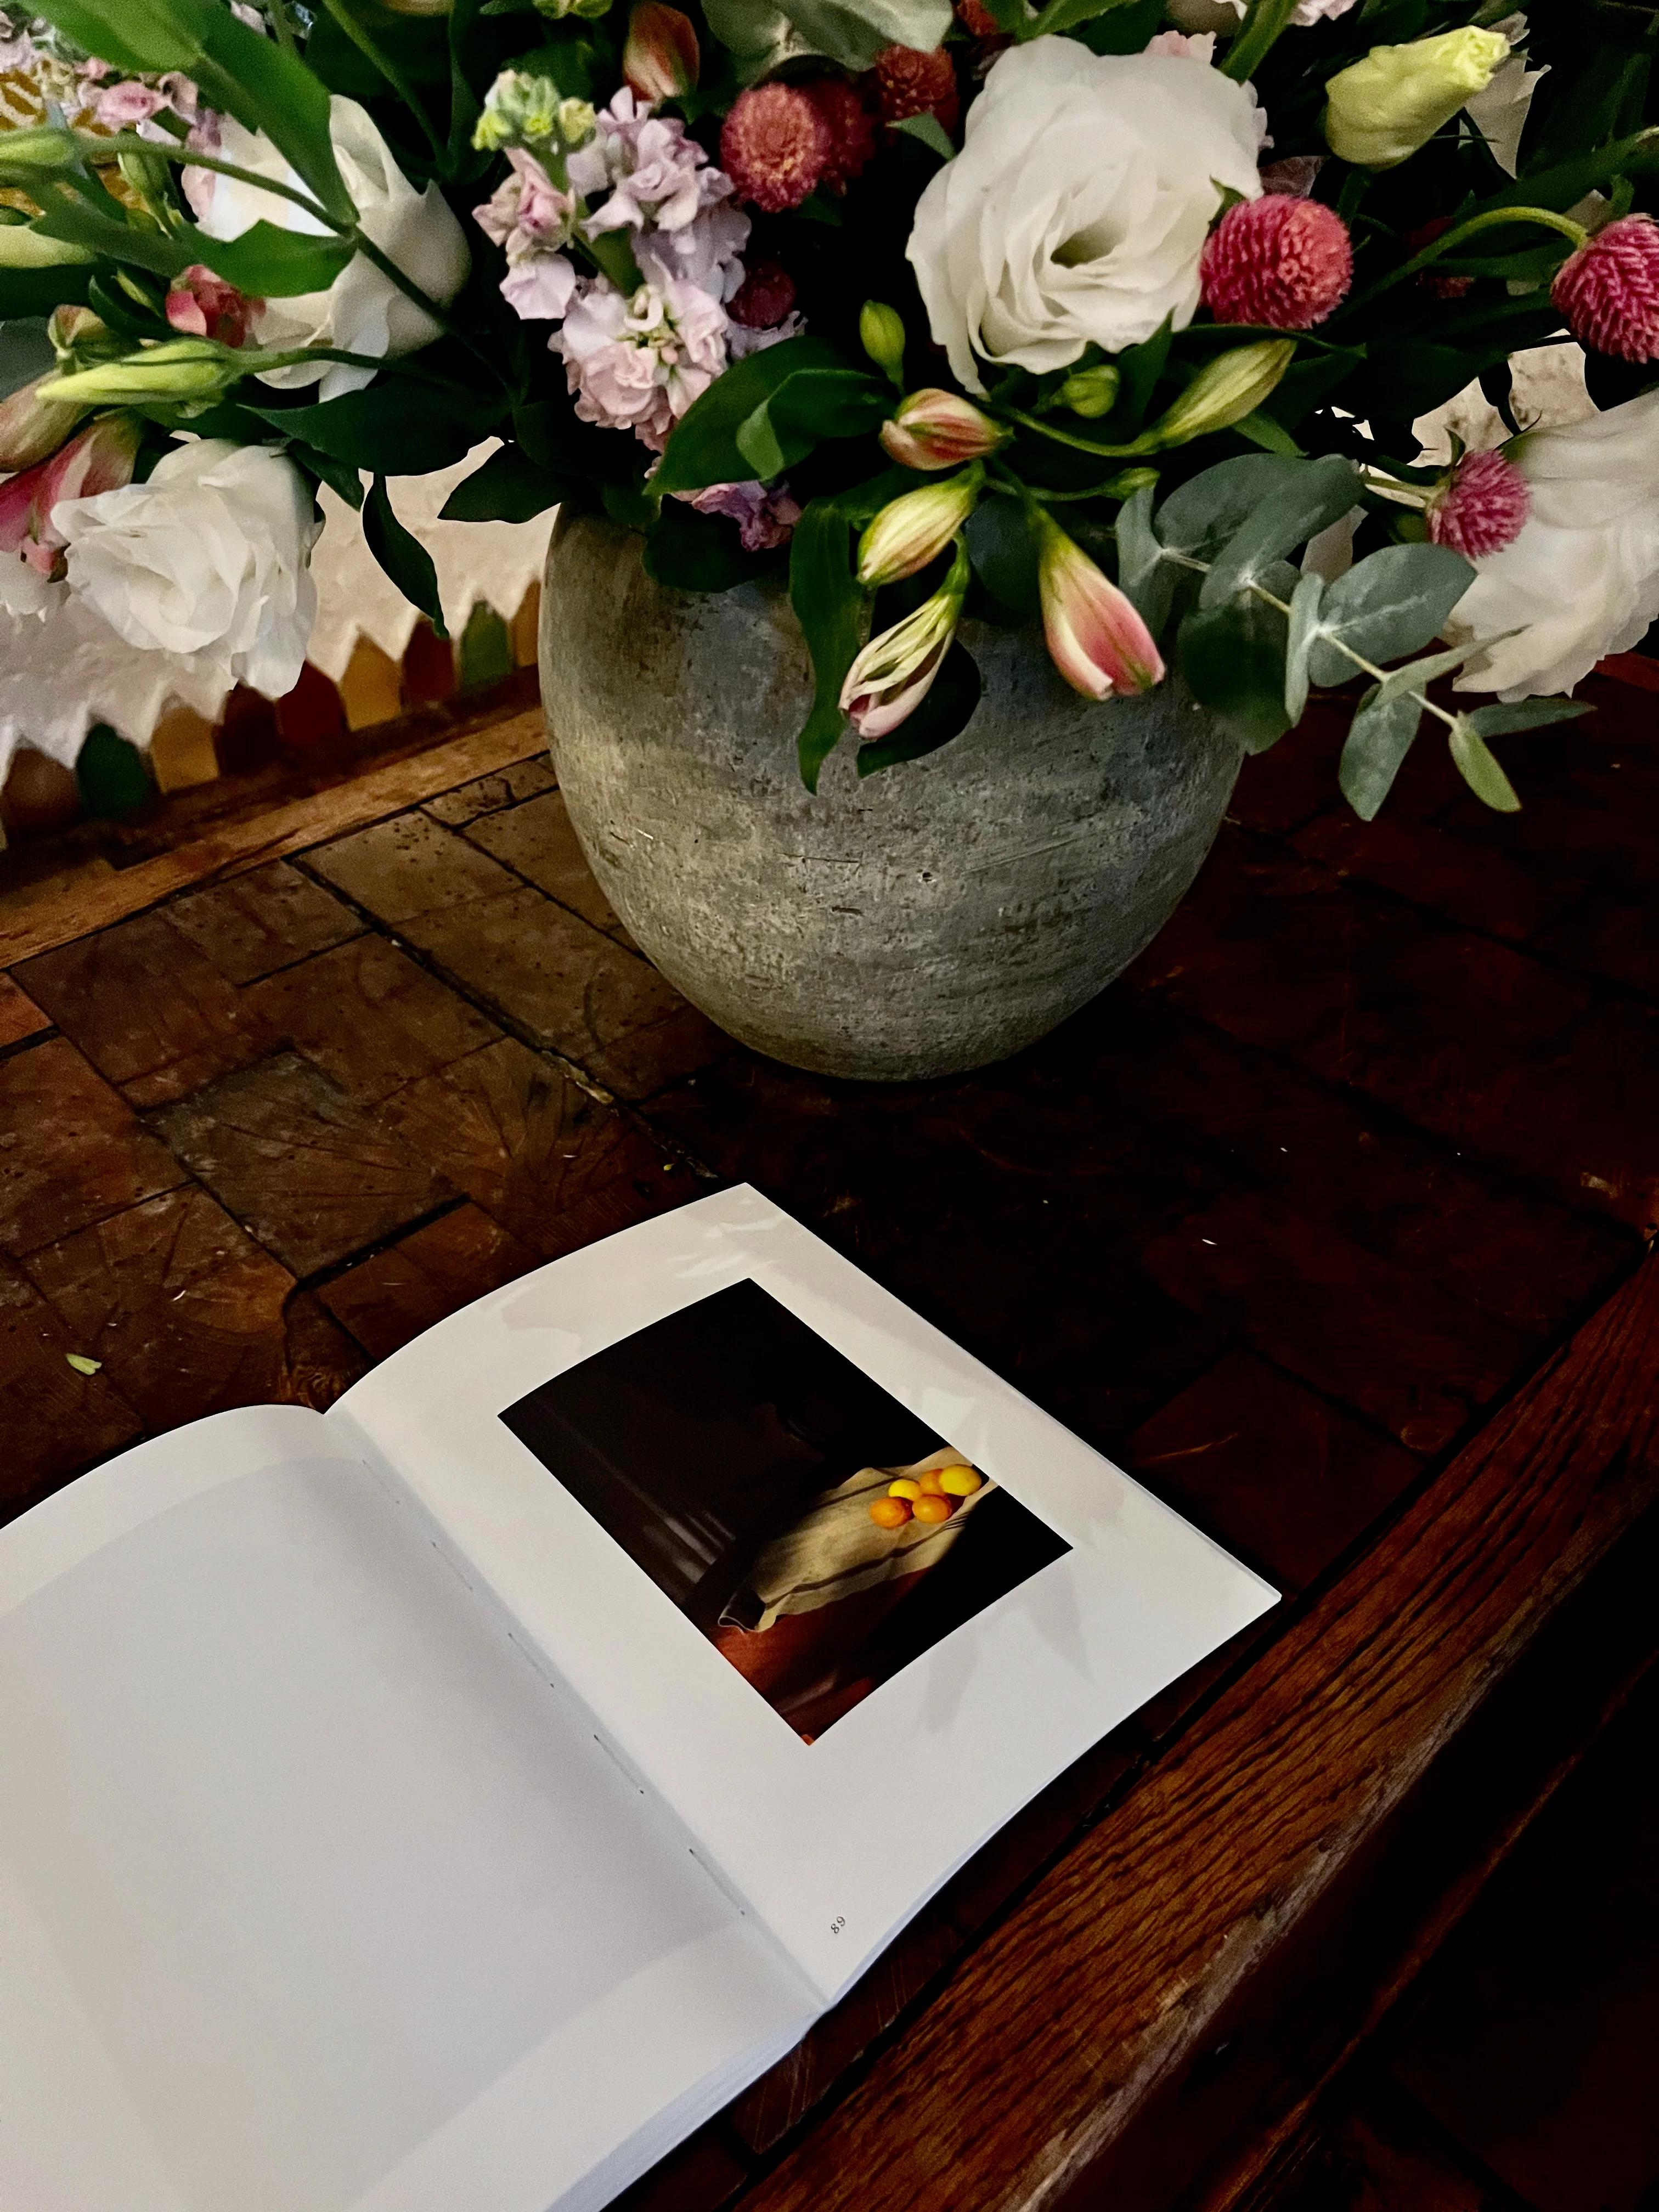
<point>930,919</point>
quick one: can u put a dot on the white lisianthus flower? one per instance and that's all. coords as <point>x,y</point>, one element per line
<point>1582,580</point>
<point>210,560</point>
<point>1079,205</point>
<point>362,310</point>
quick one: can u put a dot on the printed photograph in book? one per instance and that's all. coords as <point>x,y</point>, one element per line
<point>819,1534</point>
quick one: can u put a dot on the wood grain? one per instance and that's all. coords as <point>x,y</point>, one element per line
<point>1181,1892</point>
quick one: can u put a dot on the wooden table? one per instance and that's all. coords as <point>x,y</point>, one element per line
<point>1328,1221</point>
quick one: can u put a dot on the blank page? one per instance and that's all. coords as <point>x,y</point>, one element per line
<point>315,1892</point>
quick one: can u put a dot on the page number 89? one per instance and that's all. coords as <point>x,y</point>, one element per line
<point>838,1923</point>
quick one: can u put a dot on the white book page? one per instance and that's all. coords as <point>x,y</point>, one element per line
<point>834,1842</point>
<point>315,1896</point>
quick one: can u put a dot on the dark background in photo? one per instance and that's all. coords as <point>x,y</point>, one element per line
<point>697,1440</point>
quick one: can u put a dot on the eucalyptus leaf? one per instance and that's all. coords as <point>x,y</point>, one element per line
<point>854,32</point>
<point>1304,629</point>
<point>1418,675</point>
<point>1319,494</point>
<point>1479,767</point>
<point>1232,658</point>
<point>829,604</point>
<point>1208,509</point>
<point>1499,721</point>
<point>402,556</point>
<point>759,36</point>
<point>1379,738</point>
<point>1142,571</point>
<point>1393,602</point>
<point>946,711</point>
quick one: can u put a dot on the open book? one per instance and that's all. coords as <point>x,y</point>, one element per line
<point>452,1800</point>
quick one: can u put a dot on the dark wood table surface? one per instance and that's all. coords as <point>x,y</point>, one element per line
<point>1327,1221</point>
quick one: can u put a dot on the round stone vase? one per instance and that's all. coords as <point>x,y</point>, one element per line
<point>932,918</point>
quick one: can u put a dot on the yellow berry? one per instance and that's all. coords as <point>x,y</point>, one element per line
<point>932,1507</point>
<point>959,1482</point>
<point>905,1488</point>
<point>891,1512</point>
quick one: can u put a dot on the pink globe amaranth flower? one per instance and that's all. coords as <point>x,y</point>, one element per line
<point>203,305</point>
<point>775,146</point>
<point>1481,507</point>
<point>1095,635</point>
<point>852,130</point>
<point>100,458</point>
<point>661,58</point>
<point>909,81</point>
<point>1279,262</point>
<point>1609,290</point>
<point>764,297</point>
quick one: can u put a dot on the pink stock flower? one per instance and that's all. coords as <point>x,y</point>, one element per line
<point>530,217</point>
<point>764,518</point>
<point>1609,289</point>
<point>740,342</point>
<point>637,364</point>
<point>204,305</point>
<point>1185,46</point>
<point>123,107</point>
<point>1095,638</point>
<point>1481,506</point>
<point>99,459</point>
<point>660,60</point>
<point>657,174</point>
<point>704,252</point>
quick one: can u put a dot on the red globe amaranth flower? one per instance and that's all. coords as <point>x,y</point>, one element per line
<point>1281,262</point>
<point>1430,280</point>
<point>851,126</point>
<point>1481,506</point>
<point>910,83</point>
<point>977,20</point>
<point>764,297</point>
<point>1609,289</point>
<point>775,146</point>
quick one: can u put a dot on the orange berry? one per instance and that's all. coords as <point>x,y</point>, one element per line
<point>932,1507</point>
<point>930,1483</point>
<point>959,1482</point>
<point>891,1512</point>
<point>905,1488</point>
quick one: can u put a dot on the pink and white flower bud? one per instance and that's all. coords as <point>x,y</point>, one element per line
<point>32,429</point>
<point>937,429</point>
<point>1095,638</point>
<point>895,672</point>
<point>100,459</point>
<point>915,528</point>
<point>661,59</point>
<point>204,305</point>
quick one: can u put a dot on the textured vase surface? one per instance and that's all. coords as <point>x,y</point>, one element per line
<point>933,918</point>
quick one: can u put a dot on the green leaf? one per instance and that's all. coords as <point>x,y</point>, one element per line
<point>825,398</point>
<point>1270,435</point>
<point>1233,659</point>
<point>508,487</point>
<point>98,223</point>
<point>1142,571</point>
<point>854,32</point>
<point>25,293</point>
<point>693,552</point>
<point>402,556</point>
<point>1302,505</point>
<point>945,714</point>
<point>1393,602</point>
<point>1066,14</point>
<point>1003,549</point>
<point>930,132</point>
<point>1418,675</point>
<point>1208,509</point>
<point>829,606</point>
<point>1140,367</point>
<point>555,439</point>
<point>1499,721</point>
<point>1479,767</point>
<point>345,482</point>
<point>82,1363</point>
<point>1304,629</point>
<point>398,427</point>
<point>270,263</point>
<point>1378,741</point>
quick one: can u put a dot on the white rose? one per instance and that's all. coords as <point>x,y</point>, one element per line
<point>1079,205</point>
<point>209,560</point>
<point>362,311</point>
<point>1582,577</point>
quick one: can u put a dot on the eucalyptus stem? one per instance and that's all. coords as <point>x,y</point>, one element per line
<point>1545,218</point>
<point>369,48</point>
<point>1369,667</point>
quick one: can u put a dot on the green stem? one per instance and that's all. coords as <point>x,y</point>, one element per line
<point>1070,438</point>
<point>188,158</point>
<point>369,48</point>
<point>1545,218</point>
<point>1262,26</point>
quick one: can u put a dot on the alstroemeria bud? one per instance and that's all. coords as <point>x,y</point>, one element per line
<point>47,150</point>
<point>936,429</point>
<point>178,369</point>
<point>23,246</point>
<point>1223,392</point>
<point>881,333</point>
<point>1090,392</point>
<point>915,528</point>
<point>99,459</point>
<point>1096,639</point>
<point>32,429</point>
<point>1379,110</point>
<point>660,60</point>
<point>893,674</point>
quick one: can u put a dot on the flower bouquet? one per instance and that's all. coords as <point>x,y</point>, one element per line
<point>1112,314</point>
